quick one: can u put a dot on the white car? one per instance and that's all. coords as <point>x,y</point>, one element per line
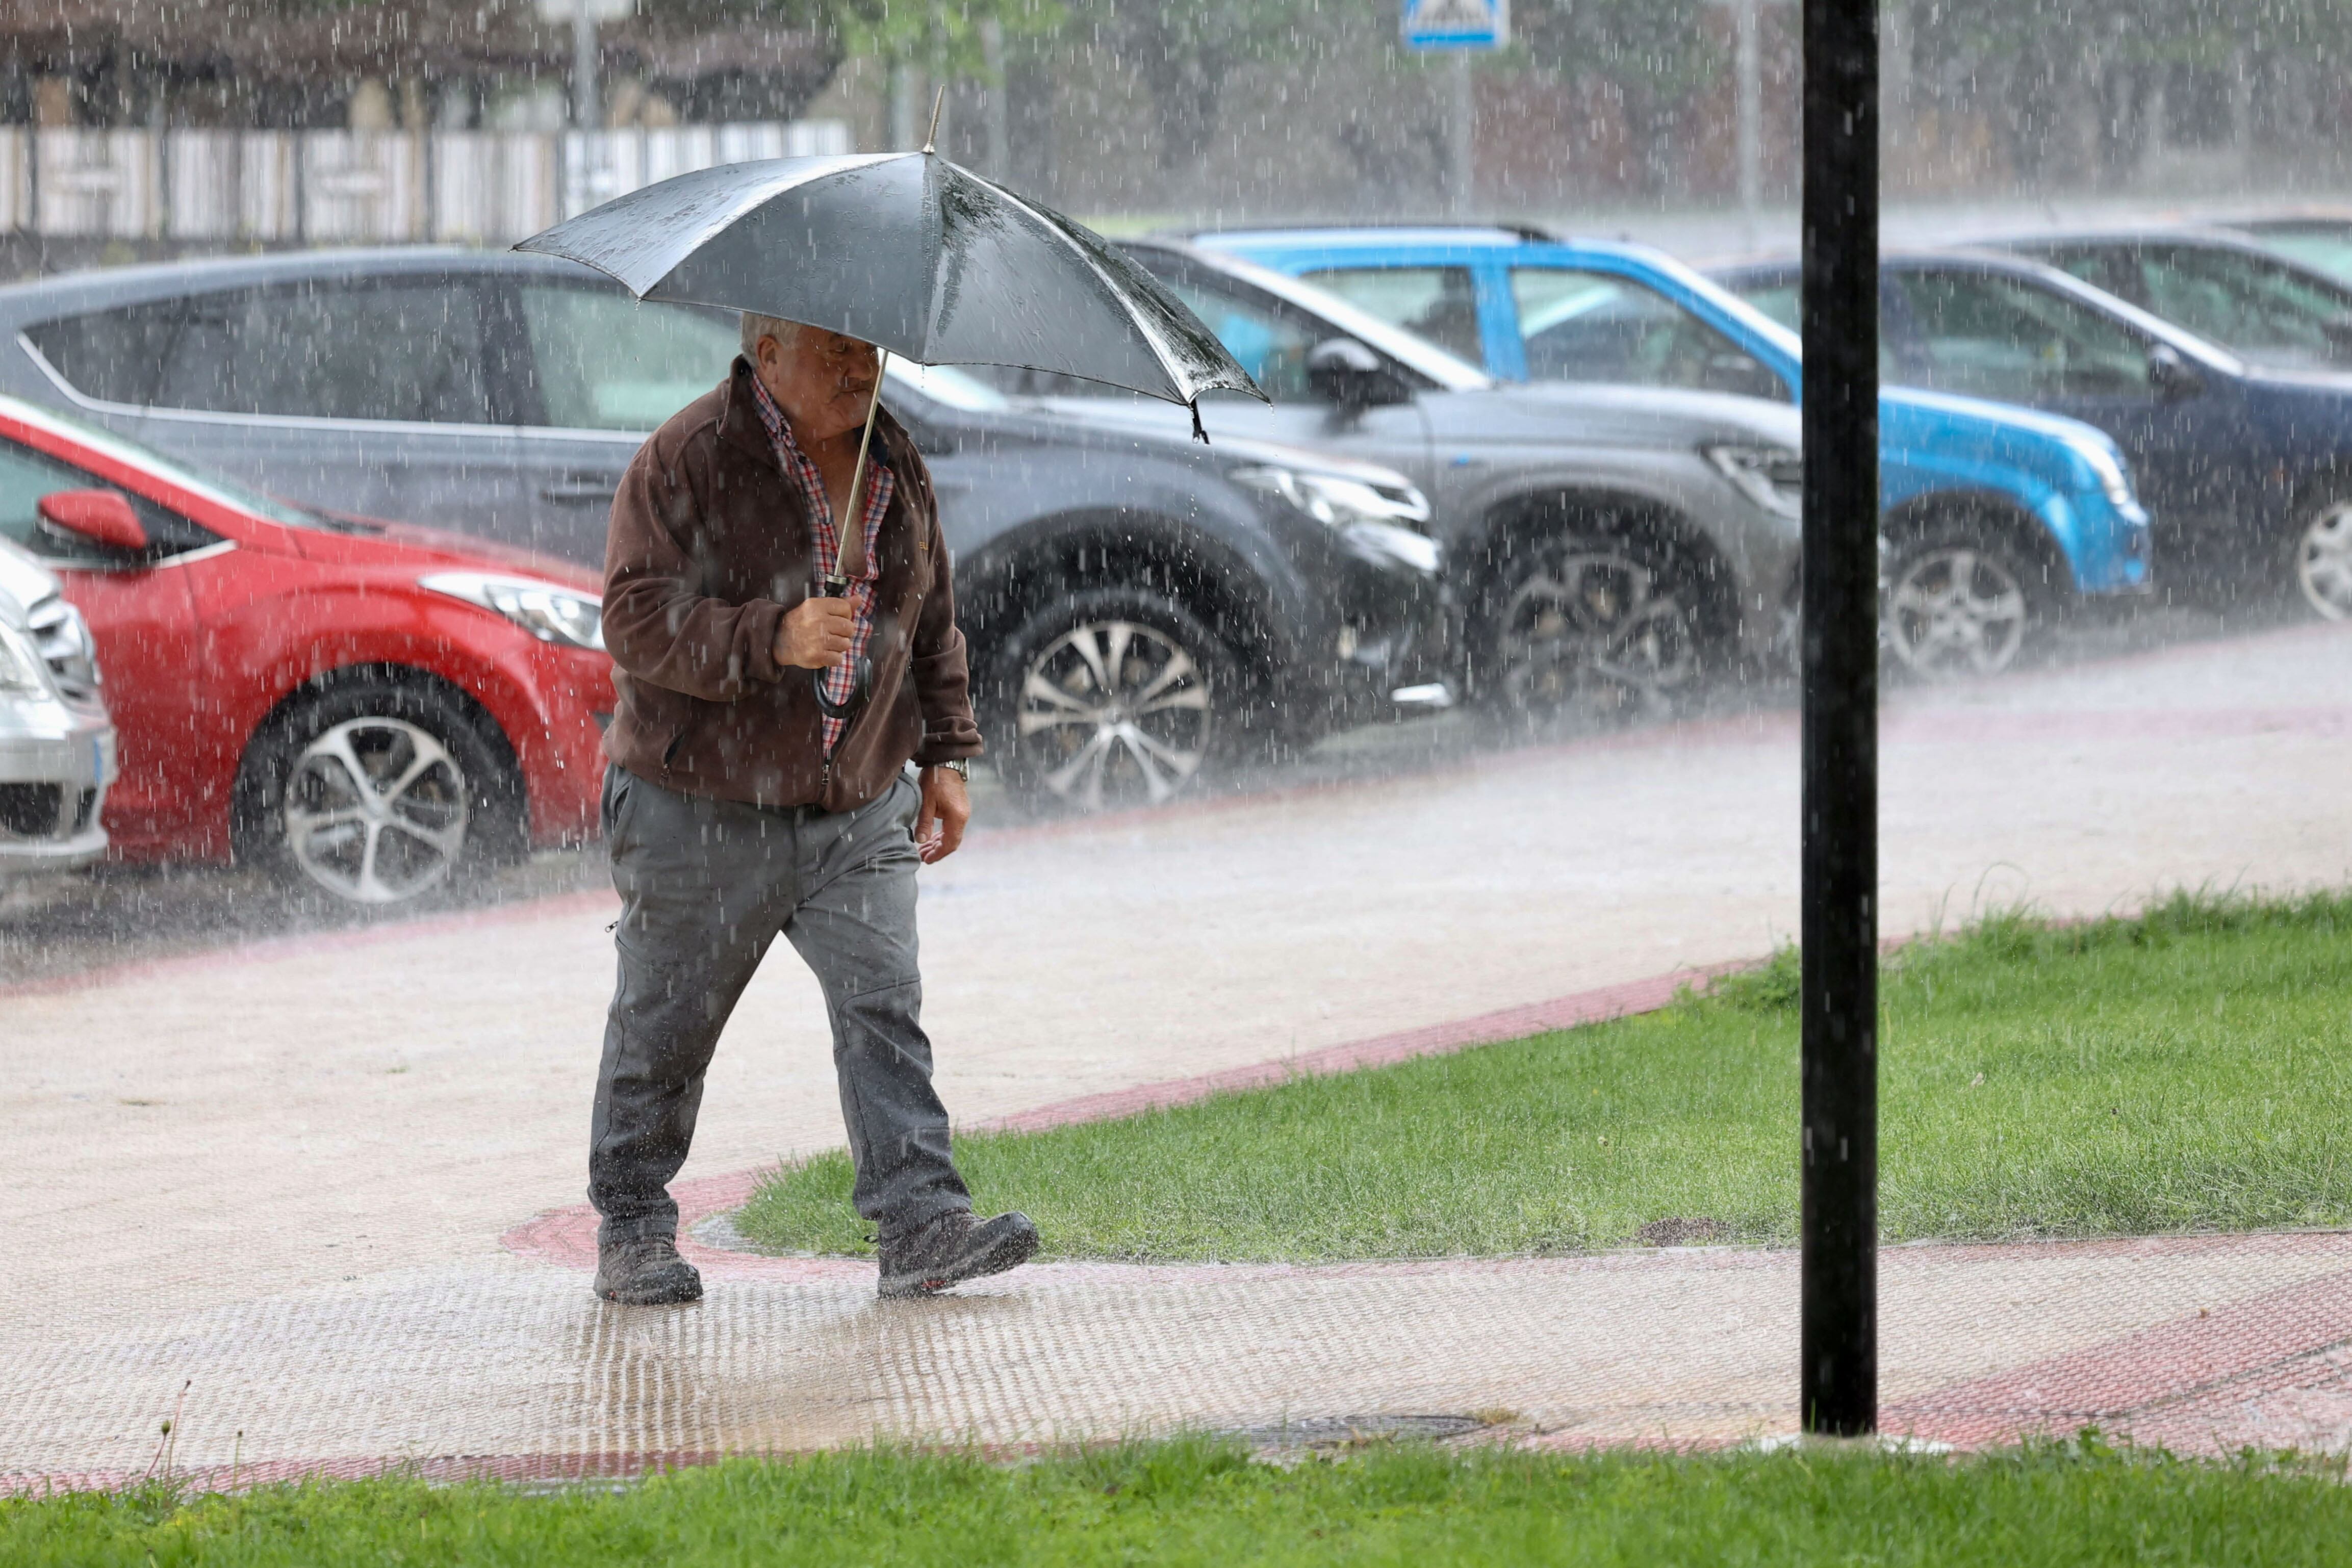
<point>56,744</point>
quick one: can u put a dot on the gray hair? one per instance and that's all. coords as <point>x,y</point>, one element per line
<point>756,327</point>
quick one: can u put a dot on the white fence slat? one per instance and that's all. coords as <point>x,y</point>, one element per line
<point>330,187</point>
<point>97,182</point>
<point>16,177</point>
<point>268,176</point>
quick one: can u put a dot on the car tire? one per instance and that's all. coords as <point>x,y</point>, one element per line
<point>1597,627</point>
<point>377,792</point>
<point>1957,601</point>
<point>1110,698</point>
<point>2322,561</point>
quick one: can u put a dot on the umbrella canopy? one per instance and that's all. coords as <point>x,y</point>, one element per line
<point>912,253</point>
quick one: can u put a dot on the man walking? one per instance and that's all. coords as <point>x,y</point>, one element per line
<point>739,809</point>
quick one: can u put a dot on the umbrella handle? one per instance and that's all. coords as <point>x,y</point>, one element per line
<point>833,585</point>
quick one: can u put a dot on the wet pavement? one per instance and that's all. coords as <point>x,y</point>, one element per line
<point>121,913</point>
<point>327,1180</point>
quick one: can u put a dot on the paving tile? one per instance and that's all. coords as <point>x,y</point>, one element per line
<point>328,1188</point>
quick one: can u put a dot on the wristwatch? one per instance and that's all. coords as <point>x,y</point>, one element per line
<point>960,767</point>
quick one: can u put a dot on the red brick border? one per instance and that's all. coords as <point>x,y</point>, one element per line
<point>2105,1383</point>
<point>567,1237</point>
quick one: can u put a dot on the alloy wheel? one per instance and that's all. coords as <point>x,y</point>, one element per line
<point>1955,611</point>
<point>376,811</point>
<point>2322,563</point>
<point>1117,713</point>
<point>1596,631</point>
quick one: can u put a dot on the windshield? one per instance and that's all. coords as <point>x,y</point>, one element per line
<point>1584,325</point>
<point>1328,310</point>
<point>2327,247</point>
<point>2269,310</point>
<point>1990,335</point>
<point>1439,303</point>
<point>212,488</point>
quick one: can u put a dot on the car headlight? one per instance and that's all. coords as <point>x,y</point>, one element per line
<point>548,611</point>
<point>1771,476</point>
<point>20,668</point>
<point>1339,500</point>
<point>61,641</point>
<point>2113,479</point>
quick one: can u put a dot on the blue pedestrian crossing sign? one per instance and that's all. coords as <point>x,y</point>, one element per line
<point>1457,24</point>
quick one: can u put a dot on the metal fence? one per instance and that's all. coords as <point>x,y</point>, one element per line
<point>354,186</point>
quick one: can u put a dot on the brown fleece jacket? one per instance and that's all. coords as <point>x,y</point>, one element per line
<point>710,547</point>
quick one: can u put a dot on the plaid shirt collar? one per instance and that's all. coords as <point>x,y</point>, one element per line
<point>880,486</point>
<point>841,680</point>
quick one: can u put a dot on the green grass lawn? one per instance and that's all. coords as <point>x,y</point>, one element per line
<point>1200,1502</point>
<point>2191,1068</point>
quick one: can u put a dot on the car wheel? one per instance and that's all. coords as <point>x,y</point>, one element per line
<point>2322,563</point>
<point>1110,699</point>
<point>1957,604</point>
<point>1598,627</point>
<point>376,793</point>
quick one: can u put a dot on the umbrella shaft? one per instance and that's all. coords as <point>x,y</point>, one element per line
<point>849,528</point>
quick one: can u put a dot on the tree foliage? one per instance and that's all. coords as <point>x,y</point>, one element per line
<point>1650,49</point>
<point>1184,53</point>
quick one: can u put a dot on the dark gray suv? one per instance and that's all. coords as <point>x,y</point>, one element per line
<point>1610,546</point>
<point>1137,605</point>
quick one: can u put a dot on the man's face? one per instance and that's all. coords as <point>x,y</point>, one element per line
<point>823,381</point>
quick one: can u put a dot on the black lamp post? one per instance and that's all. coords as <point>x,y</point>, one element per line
<point>1839,1330</point>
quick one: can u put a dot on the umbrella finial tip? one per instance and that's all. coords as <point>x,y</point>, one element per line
<point>938,102</point>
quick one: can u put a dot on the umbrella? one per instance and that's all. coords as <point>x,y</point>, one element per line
<point>912,253</point>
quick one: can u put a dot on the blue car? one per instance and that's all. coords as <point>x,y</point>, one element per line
<point>2243,445</point>
<point>1997,517</point>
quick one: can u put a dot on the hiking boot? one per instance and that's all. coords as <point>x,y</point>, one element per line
<point>647,1272</point>
<point>953,1247</point>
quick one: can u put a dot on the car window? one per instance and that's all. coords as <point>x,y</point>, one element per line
<point>1439,303</point>
<point>1583,326</point>
<point>606,362</point>
<point>2272,313</point>
<point>2003,337</point>
<point>110,355</point>
<point>26,475</point>
<point>1780,301</point>
<point>407,351</point>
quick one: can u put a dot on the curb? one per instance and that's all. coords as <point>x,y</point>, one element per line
<point>566,1237</point>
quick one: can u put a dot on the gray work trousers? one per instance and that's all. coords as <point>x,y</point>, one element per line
<point>706,887</point>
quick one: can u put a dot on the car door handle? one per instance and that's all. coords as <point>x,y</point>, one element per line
<point>578,492</point>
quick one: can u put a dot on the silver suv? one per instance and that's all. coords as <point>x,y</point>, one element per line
<point>57,745</point>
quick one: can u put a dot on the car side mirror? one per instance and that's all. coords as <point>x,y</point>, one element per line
<point>101,517</point>
<point>2170,377</point>
<point>1345,372</point>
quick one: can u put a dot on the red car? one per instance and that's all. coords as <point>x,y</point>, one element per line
<point>367,708</point>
